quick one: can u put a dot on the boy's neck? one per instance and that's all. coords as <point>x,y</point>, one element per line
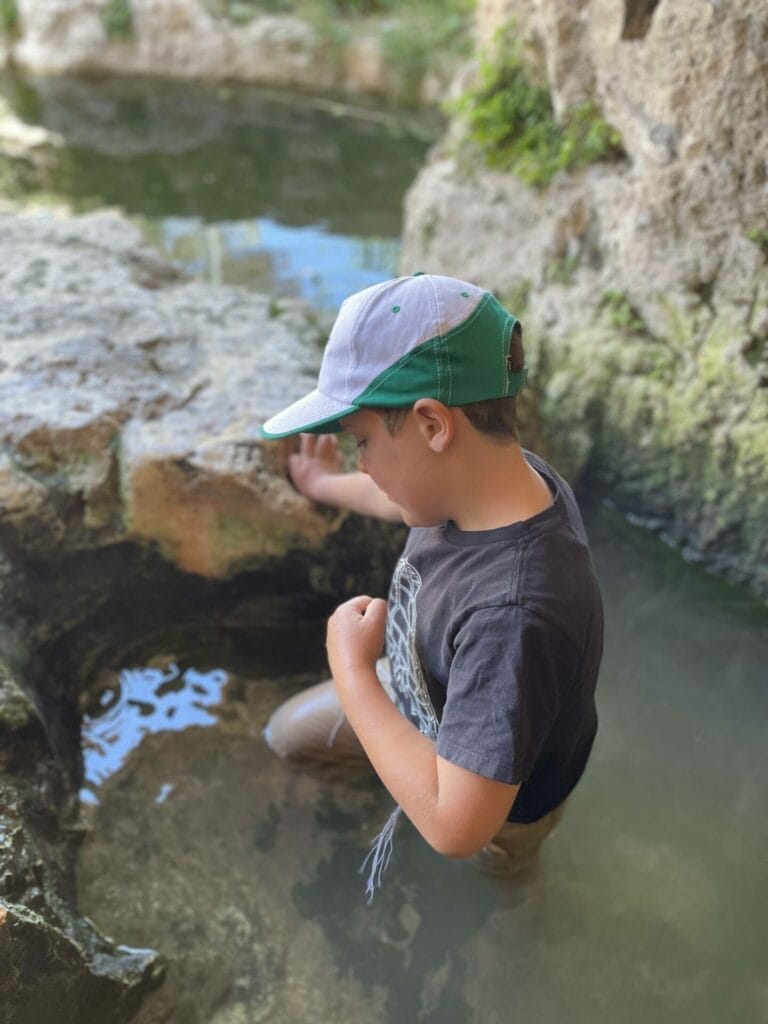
<point>496,486</point>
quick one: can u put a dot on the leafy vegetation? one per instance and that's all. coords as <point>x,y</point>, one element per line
<point>511,120</point>
<point>117,17</point>
<point>9,18</point>
<point>412,35</point>
<point>423,31</point>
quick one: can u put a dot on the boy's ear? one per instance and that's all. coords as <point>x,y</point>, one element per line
<point>435,423</point>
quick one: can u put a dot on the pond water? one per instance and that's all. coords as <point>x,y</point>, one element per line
<point>287,195</point>
<point>647,903</point>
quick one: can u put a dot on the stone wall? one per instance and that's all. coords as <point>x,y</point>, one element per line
<point>643,284</point>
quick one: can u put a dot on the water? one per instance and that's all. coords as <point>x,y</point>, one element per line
<point>139,701</point>
<point>289,196</point>
<point>646,905</point>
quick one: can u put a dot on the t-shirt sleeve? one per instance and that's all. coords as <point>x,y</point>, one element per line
<point>508,674</point>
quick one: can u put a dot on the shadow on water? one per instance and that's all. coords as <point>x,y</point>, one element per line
<point>243,870</point>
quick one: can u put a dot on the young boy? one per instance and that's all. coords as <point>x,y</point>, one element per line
<point>482,721</point>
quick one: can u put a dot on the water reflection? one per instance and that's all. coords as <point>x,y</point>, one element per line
<point>140,701</point>
<point>308,262</point>
<point>239,186</point>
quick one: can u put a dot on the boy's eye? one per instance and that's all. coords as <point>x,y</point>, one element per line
<point>361,443</point>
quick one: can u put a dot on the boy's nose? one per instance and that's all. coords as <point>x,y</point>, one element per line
<point>361,463</point>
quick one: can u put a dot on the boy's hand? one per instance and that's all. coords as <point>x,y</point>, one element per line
<point>318,457</point>
<point>356,635</point>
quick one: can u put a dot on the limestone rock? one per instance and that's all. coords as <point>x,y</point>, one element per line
<point>20,140</point>
<point>184,39</point>
<point>130,401</point>
<point>641,284</point>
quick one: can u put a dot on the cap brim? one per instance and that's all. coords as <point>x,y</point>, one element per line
<point>312,414</point>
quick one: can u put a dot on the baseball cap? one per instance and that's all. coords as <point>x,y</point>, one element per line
<point>423,336</point>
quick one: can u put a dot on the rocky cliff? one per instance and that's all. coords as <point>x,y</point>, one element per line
<point>301,46</point>
<point>642,283</point>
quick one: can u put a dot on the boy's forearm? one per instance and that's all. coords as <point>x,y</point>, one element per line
<point>403,758</point>
<point>355,492</point>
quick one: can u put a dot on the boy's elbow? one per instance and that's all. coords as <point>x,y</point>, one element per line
<point>455,845</point>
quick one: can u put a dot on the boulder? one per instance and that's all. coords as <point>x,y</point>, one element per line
<point>130,402</point>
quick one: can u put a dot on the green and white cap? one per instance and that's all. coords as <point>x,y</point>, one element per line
<point>423,336</point>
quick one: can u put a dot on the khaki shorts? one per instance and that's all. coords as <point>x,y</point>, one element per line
<point>312,726</point>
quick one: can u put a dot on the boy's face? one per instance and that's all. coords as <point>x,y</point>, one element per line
<point>401,464</point>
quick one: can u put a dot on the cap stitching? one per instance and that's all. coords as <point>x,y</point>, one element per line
<point>447,357</point>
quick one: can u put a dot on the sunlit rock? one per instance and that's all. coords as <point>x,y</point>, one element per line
<point>131,402</point>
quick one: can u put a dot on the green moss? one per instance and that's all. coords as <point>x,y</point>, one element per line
<point>677,429</point>
<point>760,237</point>
<point>117,18</point>
<point>621,313</point>
<point>511,121</point>
<point>517,296</point>
<point>562,269</point>
<point>9,18</point>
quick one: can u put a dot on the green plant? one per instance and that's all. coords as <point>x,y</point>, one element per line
<point>621,313</point>
<point>9,18</point>
<point>117,17</point>
<point>419,32</point>
<point>511,120</point>
<point>760,237</point>
<point>562,269</point>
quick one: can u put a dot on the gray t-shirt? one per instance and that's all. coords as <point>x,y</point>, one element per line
<point>494,640</point>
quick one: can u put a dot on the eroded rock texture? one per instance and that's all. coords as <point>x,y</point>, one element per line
<point>643,284</point>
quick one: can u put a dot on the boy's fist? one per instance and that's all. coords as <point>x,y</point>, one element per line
<point>356,634</point>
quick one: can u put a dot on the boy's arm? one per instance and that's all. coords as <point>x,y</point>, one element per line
<point>316,472</point>
<point>455,810</point>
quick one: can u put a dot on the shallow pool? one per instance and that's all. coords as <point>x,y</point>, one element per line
<point>647,904</point>
<point>282,193</point>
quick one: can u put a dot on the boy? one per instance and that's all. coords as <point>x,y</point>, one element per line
<point>484,721</point>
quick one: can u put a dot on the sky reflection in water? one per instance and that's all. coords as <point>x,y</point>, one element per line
<point>143,701</point>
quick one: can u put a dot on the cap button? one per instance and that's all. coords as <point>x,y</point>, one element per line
<point>418,273</point>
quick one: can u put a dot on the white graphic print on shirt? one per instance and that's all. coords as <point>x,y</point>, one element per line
<point>412,695</point>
